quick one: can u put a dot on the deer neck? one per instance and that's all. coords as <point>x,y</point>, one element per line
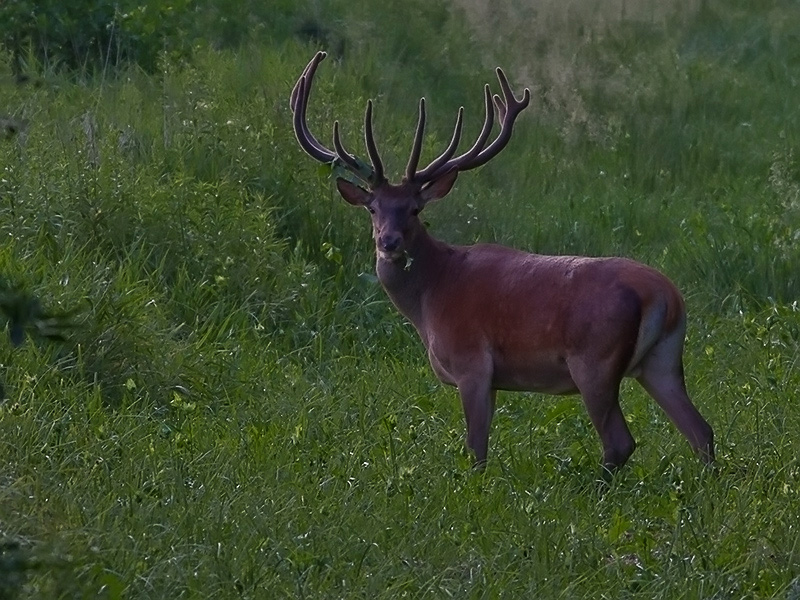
<point>408,279</point>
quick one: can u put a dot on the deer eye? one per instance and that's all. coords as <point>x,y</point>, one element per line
<point>414,212</point>
<point>371,210</point>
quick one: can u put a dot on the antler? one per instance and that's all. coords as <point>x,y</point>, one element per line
<point>298,102</point>
<point>508,108</point>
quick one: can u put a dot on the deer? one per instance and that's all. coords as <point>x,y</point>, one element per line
<point>495,318</point>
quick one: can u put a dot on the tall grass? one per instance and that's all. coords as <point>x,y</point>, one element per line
<point>239,412</point>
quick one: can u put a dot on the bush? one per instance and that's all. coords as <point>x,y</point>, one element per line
<point>93,34</point>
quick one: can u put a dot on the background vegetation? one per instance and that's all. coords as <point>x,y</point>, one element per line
<point>237,411</point>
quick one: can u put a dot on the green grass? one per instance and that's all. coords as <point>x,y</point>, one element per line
<point>238,410</point>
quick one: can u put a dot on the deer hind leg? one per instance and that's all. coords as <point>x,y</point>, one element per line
<point>600,393</point>
<point>662,377</point>
<point>478,400</point>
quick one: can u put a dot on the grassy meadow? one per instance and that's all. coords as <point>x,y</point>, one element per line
<point>237,411</point>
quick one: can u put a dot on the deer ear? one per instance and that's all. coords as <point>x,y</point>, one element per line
<point>352,193</point>
<point>439,187</point>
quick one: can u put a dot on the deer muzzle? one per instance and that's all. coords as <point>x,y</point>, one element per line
<point>390,245</point>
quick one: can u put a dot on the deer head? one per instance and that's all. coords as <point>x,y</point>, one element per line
<point>394,208</point>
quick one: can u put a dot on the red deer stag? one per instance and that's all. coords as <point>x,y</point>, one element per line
<point>494,318</point>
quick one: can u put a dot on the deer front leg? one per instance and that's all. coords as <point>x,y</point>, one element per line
<point>478,400</point>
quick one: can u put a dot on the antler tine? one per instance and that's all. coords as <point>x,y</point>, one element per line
<point>433,167</point>
<point>350,161</point>
<point>488,123</point>
<point>500,106</point>
<point>306,75</point>
<point>304,137</point>
<point>369,137</point>
<point>298,102</point>
<point>416,147</point>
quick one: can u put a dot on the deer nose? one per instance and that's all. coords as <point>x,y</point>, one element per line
<point>390,242</point>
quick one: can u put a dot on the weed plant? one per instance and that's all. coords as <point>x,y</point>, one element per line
<point>238,412</point>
